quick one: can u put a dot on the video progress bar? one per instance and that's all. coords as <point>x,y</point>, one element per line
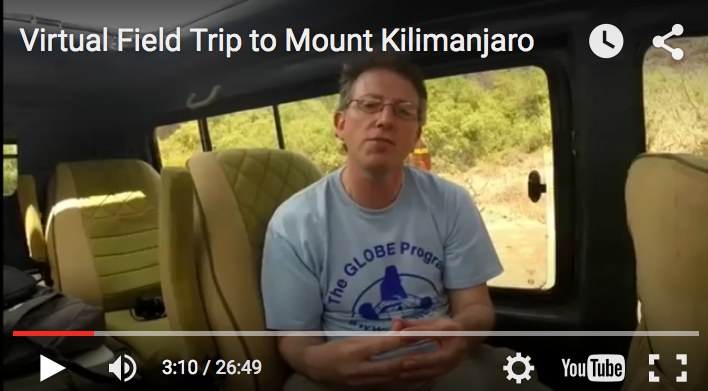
<point>355,333</point>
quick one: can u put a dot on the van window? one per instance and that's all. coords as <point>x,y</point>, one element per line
<point>9,169</point>
<point>244,129</point>
<point>308,129</point>
<point>178,142</point>
<point>486,131</point>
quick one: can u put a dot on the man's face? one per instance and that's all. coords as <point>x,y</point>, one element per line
<point>381,126</point>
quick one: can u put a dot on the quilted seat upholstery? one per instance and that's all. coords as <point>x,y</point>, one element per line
<point>102,245</point>
<point>237,192</point>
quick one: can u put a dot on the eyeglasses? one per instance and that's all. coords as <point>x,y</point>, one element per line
<point>403,110</point>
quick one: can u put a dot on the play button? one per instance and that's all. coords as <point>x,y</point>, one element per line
<point>48,368</point>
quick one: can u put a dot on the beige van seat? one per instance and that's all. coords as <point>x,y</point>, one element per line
<point>667,212</point>
<point>102,239</point>
<point>31,217</point>
<point>178,269</point>
<point>237,192</point>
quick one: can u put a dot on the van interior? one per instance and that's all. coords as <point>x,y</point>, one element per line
<point>141,182</point>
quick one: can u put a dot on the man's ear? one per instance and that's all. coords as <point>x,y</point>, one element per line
<point>338,123</point>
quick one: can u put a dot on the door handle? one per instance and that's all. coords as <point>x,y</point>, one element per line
<point>535,187</point>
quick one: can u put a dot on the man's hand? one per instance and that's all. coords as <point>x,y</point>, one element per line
<point>451,350</point>
<point>348,361</point>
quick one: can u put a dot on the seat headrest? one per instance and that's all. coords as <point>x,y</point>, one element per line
<point>126,184</point>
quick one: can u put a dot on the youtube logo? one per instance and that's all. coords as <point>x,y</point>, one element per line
<point>48,368</point>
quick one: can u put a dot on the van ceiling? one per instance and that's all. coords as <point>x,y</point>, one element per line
<point>148,16</point>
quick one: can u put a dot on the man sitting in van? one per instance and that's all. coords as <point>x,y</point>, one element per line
<point>376,246</point>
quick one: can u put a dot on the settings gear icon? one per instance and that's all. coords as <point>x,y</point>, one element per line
<point>510,370</point>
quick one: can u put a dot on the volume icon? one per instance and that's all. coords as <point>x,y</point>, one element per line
<point>123,370</point>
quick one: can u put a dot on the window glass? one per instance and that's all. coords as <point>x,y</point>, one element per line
<point>178,142</point>
<point>9,169</point>
<point>486,132</point>
<point>676,97</point>
<point>308,128</point>
<point>244,129</point>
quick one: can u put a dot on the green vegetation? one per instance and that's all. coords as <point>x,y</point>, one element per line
<point>471,117</point>
<point>9,169</point>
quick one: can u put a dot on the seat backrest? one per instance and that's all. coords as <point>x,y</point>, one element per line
<point>667,213</point>
<point>237,192</point>
<point>31,217</point>
<point>178,269</point>
<point>102,232</point>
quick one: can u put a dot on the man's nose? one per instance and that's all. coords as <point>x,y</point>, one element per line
<point>386,117</point>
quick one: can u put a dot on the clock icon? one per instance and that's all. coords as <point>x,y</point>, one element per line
<point>606,41</point>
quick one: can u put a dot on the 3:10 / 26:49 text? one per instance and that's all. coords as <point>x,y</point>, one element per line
<point>223,367</point>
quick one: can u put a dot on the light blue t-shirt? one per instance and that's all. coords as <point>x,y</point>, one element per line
<point>332,265</point>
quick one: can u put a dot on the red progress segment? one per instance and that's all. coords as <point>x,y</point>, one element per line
<point>53,334</point>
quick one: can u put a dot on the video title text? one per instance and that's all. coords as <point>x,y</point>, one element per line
<point>392,40</point>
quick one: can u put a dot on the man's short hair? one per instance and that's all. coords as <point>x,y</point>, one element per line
<point>394,63</point>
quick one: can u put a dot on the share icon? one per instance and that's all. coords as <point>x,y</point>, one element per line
<point>660,42</point>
